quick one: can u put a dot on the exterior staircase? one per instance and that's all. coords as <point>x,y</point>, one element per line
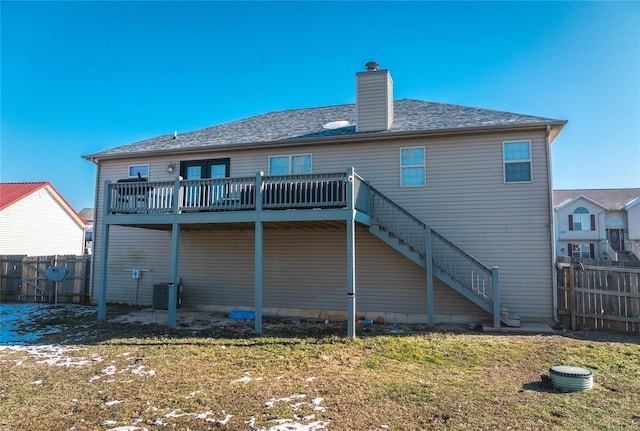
<point>628,259</point>
<point>418,242</point>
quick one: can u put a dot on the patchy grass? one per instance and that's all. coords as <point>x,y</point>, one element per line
<point>127,376</point>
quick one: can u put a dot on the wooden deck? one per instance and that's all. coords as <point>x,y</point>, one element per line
<point>314,191</point>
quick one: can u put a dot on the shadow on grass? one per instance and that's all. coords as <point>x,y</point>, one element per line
<point>540,386</point>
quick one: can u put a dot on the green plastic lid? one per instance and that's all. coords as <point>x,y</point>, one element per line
<point>568,371</point>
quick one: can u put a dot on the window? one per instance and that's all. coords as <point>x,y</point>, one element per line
<point>201,195</point>
<point>290,165</point>
<point>412,167</point>
<point>582,251</point>
<point>582,220</point>
<point>138,171</point>
<point>517,161</point>
<point>198,169</point>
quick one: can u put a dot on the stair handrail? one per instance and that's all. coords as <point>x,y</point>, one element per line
<point>481,284</point>
<point>407,227</point>
<point>462,252</point>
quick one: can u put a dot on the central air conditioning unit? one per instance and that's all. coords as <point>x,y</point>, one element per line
<point>161,295</point>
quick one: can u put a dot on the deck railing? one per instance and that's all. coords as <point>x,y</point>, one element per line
<point>220,194</point>
<point>140,197</point>
<point>304,191</point>
<point>228,194</point>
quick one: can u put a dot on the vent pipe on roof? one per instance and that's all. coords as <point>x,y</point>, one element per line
<point>372,65</point>
<point>374,99</point>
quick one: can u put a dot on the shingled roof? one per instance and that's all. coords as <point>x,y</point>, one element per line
<point>611,199</point>
<point>410,115</point>
<point>11,193</point>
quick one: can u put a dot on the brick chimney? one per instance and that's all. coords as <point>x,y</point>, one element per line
<point>374,99</point>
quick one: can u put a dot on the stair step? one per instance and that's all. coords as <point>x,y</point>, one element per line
<point>510,319</point>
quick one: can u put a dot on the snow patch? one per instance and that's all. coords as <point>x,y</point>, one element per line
<point>245,379</point>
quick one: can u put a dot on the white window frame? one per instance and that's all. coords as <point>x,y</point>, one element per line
<point>290,162</point>
<point>132,168</point>
<point>505,162</point>
<point>423,166</point>
<point>581,249</point>
<point>581,218</point>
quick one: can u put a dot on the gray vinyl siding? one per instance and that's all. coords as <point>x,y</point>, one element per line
<point>465,199</point>
<point>633,221</point>
<point>303,269</point>
<point>134,248</point>
<point>374,101</point>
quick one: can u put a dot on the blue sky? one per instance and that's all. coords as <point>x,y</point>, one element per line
<point>80,77</point>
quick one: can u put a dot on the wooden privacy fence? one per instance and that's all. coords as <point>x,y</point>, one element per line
<point>23,279</point>
<point>599,297</point>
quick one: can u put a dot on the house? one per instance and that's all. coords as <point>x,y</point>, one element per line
<point>87,214</point>
<point>35,220</point>
<point>600,224</point>
<point>410,210</point>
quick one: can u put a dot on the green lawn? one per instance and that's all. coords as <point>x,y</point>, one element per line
<point>126,376</point>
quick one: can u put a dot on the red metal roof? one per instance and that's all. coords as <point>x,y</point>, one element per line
<point>11,193</point>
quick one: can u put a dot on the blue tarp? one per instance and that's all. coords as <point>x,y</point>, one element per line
<point>242,315</point>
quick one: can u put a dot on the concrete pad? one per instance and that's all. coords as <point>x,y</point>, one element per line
<point>525,328</point>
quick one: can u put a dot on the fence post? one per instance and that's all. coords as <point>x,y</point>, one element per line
<point>572,296</point>
<point>635,300</point>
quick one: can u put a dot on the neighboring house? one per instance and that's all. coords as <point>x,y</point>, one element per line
<point>399,209</point>
<point>87,214</point>
<point>35,220</point>
<point>600,224</point>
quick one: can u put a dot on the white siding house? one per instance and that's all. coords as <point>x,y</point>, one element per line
<point>633,220</point>
<point>433,213</point>
<point>599,224</point>
<point>35,220</point>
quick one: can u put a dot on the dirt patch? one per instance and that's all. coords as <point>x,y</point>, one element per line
<point>199,320</point>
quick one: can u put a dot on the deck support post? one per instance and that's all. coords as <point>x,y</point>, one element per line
<point>495,272</point>
<point>102,293</point>
<point>428,257</point>
<point>104,255</point>
<point>175,281</point>
<point>351,257</point>
<point>259,246</point>
<point>258,277</point>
